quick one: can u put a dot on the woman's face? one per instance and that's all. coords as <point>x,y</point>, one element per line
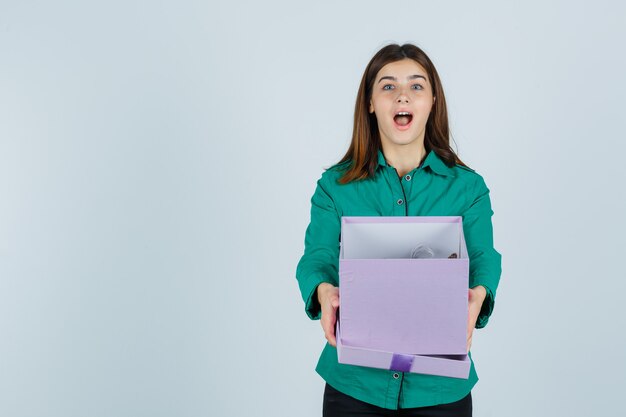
<point>402,97</point>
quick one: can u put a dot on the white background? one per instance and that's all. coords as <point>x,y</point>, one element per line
<point>157,161</point>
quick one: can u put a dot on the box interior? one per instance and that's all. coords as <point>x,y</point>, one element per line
<point>367,238</point>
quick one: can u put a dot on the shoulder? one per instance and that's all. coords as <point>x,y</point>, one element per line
<point>331,175</point>
<point>469,176</point>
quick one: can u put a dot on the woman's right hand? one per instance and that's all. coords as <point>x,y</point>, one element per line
<point>328,297</point>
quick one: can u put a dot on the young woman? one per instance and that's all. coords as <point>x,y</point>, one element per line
<point>399,163</point>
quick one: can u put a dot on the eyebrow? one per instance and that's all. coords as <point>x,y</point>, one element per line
<point>410,77</point>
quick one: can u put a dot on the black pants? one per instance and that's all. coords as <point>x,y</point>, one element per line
<point>338,404</point>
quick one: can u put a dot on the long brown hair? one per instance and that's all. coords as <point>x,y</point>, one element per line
<point>362,154</point>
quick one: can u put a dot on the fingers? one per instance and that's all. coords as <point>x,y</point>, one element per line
<point>472,316</point>
<point>328,325</point>
<point>470,331</point>
<point>329,319</point>
<point>330,336</point>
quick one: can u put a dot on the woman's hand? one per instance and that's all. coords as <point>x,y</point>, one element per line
<point>328,297</point>
<point>476,297</point>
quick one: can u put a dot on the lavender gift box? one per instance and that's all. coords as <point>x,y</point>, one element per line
<point>398,312</point>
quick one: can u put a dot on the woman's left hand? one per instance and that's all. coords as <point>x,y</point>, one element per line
<point>476,297</point>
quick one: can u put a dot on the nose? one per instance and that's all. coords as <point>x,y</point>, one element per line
<point>402,97</point>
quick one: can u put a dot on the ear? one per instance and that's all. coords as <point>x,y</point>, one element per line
<point>434,98</point>
<point>371,109</point>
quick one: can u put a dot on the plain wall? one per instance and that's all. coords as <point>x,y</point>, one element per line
<point>157,161</point>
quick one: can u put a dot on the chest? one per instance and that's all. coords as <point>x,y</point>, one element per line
<point>421,194</point>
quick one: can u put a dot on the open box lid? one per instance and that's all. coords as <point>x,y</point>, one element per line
<point>454,366</point>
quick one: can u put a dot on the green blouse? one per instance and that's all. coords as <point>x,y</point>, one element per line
<point>432,189</point>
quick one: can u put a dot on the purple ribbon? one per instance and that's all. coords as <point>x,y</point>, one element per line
<point>401,363</point>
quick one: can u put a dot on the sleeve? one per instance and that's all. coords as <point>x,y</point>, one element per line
<point>320,262</point>
<point>485,261</point>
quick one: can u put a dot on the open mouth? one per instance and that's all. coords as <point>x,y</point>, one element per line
<point>403,118</point>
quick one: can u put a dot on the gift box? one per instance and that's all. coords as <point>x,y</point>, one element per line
<point>403,285</point>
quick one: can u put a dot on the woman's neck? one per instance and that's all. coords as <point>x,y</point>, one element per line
<point>404,158</point>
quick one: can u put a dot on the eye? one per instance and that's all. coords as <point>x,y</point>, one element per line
<point>388,85</point>
<point>417,87</point>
